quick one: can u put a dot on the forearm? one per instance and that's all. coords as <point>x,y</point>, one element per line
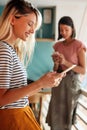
<point>12,95</point>
<point>81,69</point>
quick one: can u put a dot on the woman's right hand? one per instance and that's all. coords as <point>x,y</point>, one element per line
<point>51,79</point>
<point>56,57</point>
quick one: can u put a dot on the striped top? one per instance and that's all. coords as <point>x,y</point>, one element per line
<point>12,74</point>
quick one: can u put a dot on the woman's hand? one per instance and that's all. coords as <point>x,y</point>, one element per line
<point>51,79</point>
<point>58,80</point>
<point>62,59</point>
<point>56,57</point>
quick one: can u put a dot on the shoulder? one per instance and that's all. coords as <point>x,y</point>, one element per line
<point>79,44</point>
<point>57,44</point>
<point>4,47</point>
<point>6,50</point>
<point>78,41</point>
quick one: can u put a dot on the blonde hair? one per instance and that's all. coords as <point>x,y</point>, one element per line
<point>19,7</point>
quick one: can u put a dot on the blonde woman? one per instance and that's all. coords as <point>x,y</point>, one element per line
<point>18,24</point>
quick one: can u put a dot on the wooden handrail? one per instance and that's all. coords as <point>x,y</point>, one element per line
<point>84,92</point>
<point>80,112</point>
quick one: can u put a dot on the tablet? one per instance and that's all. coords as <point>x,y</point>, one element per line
<point>70,68</point>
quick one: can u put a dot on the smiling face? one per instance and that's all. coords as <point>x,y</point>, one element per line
<point>65,31</point>
<point>23,25</point>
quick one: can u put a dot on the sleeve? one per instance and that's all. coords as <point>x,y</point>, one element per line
<point>5,68</point>
<point>82,46</point>
<point>55,46</point>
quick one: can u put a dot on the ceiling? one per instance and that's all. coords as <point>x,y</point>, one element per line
<point>45,2</point>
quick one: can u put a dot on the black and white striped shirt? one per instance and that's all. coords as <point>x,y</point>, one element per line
<point>12,74</point>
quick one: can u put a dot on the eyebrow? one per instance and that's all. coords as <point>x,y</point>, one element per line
<point>20,15</point>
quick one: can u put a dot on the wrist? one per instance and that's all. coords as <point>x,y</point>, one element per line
<point>56,63</point>
<point>68,64</point>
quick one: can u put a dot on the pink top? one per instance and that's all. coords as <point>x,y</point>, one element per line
<point>70,51</point>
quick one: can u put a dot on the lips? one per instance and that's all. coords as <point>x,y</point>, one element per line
<point>27,34</point>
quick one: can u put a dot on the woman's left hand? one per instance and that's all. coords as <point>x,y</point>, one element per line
<point>58,80</point>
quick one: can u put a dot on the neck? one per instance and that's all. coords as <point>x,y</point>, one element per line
<point>68,41</point>
<point>11,41</point>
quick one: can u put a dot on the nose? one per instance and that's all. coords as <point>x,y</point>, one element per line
<point>32,29</point>
<point>63,32</point>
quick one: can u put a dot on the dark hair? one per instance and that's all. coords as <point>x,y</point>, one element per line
<point>67,21</point>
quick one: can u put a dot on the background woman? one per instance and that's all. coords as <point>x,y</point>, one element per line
<point>69,51</point>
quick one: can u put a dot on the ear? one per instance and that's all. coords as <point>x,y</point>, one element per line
<point>12,19</point>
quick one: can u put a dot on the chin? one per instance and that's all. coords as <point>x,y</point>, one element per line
<point>24,39</point>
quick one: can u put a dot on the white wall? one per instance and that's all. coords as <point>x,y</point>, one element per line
<point>77,9</point>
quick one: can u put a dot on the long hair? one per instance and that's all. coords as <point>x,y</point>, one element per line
<point>67,21</point>
<point>19,7</point>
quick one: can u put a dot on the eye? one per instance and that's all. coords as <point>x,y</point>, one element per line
<point>66,30</point>
<point>30,24</point>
